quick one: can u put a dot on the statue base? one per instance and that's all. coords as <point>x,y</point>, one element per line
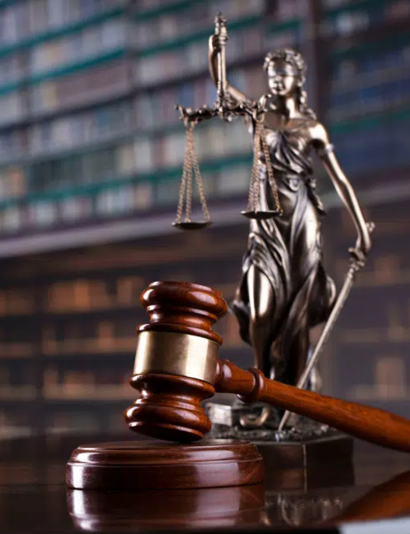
<point>297,456</point>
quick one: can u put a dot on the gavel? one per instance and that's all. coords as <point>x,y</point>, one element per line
<point>177,367</point>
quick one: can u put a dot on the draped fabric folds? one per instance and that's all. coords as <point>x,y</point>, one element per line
<point>288,251</point>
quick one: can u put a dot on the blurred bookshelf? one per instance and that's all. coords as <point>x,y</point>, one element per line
<point>91,153</point>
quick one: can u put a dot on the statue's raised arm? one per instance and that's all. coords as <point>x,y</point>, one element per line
<point>217,64</point>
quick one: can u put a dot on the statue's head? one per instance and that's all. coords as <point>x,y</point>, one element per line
<point>286,70</point>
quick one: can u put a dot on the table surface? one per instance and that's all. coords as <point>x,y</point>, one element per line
<point>34,497</point>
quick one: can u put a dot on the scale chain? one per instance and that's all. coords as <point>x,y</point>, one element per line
<point>188,205</point>
<point>198,179</point>
<point>190,167</point>
<point>185,173</point>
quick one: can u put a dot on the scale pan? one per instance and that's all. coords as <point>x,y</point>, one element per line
<point>261,215</point>
<point>192,225</point>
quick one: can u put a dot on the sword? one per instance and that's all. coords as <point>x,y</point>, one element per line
<point>356,265</point>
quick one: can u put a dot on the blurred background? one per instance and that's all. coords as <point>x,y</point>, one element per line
<point>91,154</point>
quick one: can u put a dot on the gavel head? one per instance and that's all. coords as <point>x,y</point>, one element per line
<point>176,361</point>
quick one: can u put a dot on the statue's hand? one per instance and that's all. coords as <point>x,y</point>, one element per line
<point>218,41</point>
<point>363,245</point>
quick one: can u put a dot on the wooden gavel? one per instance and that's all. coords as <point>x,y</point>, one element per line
<point>177,367</point>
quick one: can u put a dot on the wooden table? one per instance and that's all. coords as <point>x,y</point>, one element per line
<point>34,497</point>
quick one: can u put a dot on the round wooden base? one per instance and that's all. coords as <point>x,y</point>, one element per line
<point>137,465</point>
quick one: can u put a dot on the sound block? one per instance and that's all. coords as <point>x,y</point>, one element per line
<point>133,465</point>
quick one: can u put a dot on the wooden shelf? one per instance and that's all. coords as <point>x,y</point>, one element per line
<point>178,5</point>
<point>12,432</point>
<point>92,347</point>
<point>18,393</point>
<point>365,393</point>
<point>114,355</point>
<point>374,280</point>
<point>112,310</point>
<point>371,336</point>
<point>9,350</point>
<point>86,393</point>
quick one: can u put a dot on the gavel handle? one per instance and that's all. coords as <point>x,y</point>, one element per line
<point>364,422</point>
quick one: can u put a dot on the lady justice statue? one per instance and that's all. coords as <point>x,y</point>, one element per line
<point>284,290</point>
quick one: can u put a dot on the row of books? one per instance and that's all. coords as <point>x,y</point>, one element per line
<point>13,145</point>
<point>216,140</point>
<point>11,420</point>
<point>66,378</point>
<point>81,295</point>
<point>12,69</point>
<point>16,301</point>
<point>16,375</point>
<point>368,69</point>
<point>80,88</point>
<point>193,58</point>
<point>349,22</point>
<point>90,294</point>
<point>99,330</point>
<point>91,42</point>
<point>12,107</point>
<point>108,121</point>
<point>196,17</point>
<point>30,215</point>
<point>13,182</point>
<point>380,146</point>
<point>99,124</point>
<point>38,215</point>
<point>32,17</point>
<point>90,337</point>
<point>388,377</point>
<point>155,109</point>
<point>90,167</point>
<point>63,420</point>
<point>90,347</point>
<point>103,123</point>
<point>388,96</point>
<point>13,19</point>
<point>213,140</point>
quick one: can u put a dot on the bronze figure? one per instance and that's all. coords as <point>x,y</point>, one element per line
<point>285,290</point>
